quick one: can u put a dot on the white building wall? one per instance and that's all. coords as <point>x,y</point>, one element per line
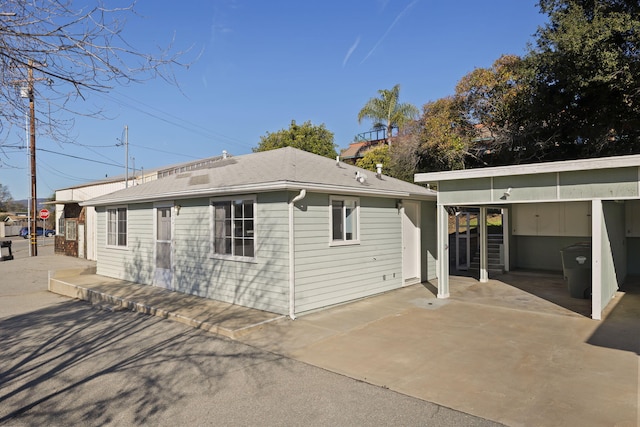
<point>327,274</point>
<point>261,283</point>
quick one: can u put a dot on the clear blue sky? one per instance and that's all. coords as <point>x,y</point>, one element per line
<point>260,64</point>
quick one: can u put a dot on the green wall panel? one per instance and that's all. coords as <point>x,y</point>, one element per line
<point>604,183</point>
<point>454,192</point>
<point>525,187</point>
<point>633,256</point>
<point>541,252</point>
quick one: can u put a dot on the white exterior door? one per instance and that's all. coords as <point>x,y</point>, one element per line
<point>410,242</point>
<point>164,247</point>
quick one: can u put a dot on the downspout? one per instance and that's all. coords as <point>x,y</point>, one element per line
<point>292,266</point>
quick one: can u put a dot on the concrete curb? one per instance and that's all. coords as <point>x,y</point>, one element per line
<point>61,287</point>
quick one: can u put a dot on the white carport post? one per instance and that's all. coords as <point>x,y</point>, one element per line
<point>443,252</point>
<point>484,259</point>
<point>596,259</point>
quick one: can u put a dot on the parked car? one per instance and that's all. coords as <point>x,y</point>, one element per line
<point>24,232</point>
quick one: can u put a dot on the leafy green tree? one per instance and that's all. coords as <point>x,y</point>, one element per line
<point>497,100</point>
<point>386,113</point>
<point>307,137</point>
<point>587,75</point>
<point>375,156</point>
<point>445,136</point>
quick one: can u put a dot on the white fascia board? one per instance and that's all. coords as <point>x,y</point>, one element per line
<point>504,204</point>
<point>531,169</point>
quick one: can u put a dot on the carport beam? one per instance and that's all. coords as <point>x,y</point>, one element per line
<point>484,259</point>
<point>443,251</point>
<point>596,259</point>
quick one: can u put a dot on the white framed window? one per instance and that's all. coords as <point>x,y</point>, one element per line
<point>233,231</point>
<point>117,227</point>
<point>344,220</point>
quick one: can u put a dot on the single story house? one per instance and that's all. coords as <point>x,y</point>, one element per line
<point>284,231</point>
<point>12,224</point>
<point>547,207</point>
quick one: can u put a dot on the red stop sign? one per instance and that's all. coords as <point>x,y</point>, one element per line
<point>44,213</point>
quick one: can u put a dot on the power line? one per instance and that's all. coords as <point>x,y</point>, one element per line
<point>61,174</point>
<point>192,127</point>
<point>163,151</point>
<point>68,155</point>
<point>78,157</point>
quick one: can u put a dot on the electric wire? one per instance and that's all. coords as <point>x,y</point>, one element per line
<point>22,147</point>
<point>163,151</point>
<point>192,127</point>
<point>78,157</point>
<point>61,174</point>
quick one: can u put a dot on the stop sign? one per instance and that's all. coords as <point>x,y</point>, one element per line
<point>44,213</point>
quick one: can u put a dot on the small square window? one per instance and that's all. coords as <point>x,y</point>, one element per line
<point>345,221</point>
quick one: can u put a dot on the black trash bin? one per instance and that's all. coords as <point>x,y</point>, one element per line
<point>6,244</point>
<point>576,267</point>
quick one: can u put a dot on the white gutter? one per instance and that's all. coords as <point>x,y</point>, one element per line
<point>292,245</point>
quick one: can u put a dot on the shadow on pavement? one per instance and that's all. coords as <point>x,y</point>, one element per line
<point>73,363</point>
<point>621,328</point>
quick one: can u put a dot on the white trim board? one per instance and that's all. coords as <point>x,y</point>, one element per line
<point>531,169</point>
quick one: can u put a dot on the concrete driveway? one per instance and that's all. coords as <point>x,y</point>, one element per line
<point>67,362</point>
<point>491,350</point>
<point>516,350</point>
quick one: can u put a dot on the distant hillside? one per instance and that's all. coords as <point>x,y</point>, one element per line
<point>25,203</point>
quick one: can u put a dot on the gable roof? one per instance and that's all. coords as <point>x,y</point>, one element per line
<point>283,169</point>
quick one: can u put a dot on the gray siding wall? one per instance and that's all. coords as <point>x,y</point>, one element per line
<point>135,262</point>
<point>327,274</point>
<point>262,284</point>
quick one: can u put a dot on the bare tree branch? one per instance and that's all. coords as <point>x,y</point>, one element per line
<point>75,50</point>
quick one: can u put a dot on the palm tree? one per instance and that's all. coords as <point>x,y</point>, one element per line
<point>386,113</point>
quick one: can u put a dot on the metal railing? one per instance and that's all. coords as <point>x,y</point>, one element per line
<point>372,135</point>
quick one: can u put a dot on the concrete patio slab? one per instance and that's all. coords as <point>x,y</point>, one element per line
<point>515,350</point>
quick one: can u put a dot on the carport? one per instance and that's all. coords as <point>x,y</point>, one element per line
<point>548,206</point>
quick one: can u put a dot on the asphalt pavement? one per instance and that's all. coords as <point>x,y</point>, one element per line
<point>66,362</point>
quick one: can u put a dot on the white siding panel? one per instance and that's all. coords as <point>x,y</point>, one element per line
<point>328,274</point>
<point>261,284</point>
<point>135,262</point>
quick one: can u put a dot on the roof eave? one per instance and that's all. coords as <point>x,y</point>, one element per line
<point>260,188</point>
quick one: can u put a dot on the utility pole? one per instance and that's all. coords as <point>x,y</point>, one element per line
<point>32,149</point>
<point>133,177</point>
<point>126,156</point>
<point>29,92</point>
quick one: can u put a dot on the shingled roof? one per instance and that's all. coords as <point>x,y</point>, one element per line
<point>283,169</point>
